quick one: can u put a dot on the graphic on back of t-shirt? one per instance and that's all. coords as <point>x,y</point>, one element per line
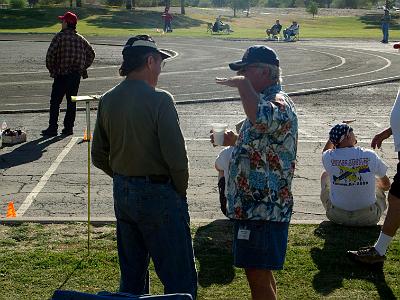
<point>351,176</point>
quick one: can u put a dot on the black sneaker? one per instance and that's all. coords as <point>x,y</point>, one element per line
<point>67,131</point>
<point>366,255</point>
<point>49,132</point>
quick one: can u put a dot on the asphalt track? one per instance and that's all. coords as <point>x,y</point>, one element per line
<point>190,75</point>
<point>47,178</point>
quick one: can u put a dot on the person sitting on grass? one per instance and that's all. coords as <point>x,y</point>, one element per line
<point>350,193</point>
<point>274,30</point>
<point>292,30</point>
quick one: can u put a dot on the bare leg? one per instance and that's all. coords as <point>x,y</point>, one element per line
<point>324,178</point>
<point>392,220</point>
<point>262,284</point>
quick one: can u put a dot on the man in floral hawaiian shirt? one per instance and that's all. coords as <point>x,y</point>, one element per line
<point>259,197</point>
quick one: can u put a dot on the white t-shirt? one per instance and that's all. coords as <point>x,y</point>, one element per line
<point>395,122</point>
<point>222,163</point>
<point>352,174</point>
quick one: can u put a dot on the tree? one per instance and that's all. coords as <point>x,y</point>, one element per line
<point>238,4</point>
<point>389,4</point>
<point>312,8</point>
<point>182,7</point>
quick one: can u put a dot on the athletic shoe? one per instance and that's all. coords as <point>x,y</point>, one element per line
<point>366,255</point>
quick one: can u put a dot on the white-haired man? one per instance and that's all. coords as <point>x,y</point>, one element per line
<point>259,197</point>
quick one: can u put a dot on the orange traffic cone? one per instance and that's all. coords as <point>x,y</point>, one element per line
<point>87,137</point>
<point>11,210</point>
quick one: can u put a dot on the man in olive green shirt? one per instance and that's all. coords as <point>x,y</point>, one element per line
<point>138,141</point>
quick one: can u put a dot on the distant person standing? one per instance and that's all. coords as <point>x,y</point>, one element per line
<point>68,58</point>
<point>385,26</point>
<point>167,17</point>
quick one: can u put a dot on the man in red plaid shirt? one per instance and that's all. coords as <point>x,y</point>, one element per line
<point>68,58</point>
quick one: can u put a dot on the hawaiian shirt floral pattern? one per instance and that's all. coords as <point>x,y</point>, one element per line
<point>263,161</point>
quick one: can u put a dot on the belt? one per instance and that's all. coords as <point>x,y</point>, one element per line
<point>154,178</point>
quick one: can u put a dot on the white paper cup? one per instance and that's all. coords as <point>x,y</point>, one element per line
<point>218,133</point>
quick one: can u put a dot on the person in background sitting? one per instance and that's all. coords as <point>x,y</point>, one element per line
<point>274,30</point>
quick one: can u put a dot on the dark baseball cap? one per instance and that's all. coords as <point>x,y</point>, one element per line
<point>69,18</point>
<point>142,44</point>
<point>256,54</point>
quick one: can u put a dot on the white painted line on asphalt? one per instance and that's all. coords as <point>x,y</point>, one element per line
<point>388,64</point>
<point>116,77</point>
<point>19,104</point>
<point>46,71</point>
<point>342,62</point>
<point>42,182</point>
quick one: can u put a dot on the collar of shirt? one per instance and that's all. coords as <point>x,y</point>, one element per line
<point>68,30</point>
<point>272,89</point>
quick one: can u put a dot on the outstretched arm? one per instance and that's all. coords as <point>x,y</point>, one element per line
<point>248,95</point>
<point>380,137</point>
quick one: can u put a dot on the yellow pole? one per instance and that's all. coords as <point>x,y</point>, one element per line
<point>89,138</point>
<point>87,100</point>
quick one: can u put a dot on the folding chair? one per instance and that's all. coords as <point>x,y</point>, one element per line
<point>295,36</point>
<point>209,27</point>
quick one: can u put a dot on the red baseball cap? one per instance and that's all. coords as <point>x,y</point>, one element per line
<point>69,17</point>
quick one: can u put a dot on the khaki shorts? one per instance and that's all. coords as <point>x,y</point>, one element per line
<point>368,216</point>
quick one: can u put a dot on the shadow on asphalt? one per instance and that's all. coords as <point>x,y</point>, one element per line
<point>213,250</point>
<point>333,265</point>
<point>27,152</point>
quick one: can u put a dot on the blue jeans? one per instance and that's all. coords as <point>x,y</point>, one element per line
<point>287,33</point>
<point>153,221</point>
<point>385,31</point>
<point>167,26</point>
<point>64,85</point>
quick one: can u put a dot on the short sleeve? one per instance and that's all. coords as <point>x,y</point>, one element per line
<point>222,161</point>
<point>326,158</point>
<point>380,166</point>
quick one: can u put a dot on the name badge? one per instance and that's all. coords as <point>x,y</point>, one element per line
<point>243,234</point>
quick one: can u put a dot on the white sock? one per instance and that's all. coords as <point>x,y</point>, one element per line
<point>382,243</point>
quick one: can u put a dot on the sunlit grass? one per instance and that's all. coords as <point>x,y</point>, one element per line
<point>37,259</point>
<point>119,22</point>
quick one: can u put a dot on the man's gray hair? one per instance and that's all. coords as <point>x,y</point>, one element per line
<point>274,73</point>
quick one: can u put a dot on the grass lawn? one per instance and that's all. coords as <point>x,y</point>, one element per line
<point>37,259</point>
<point>120,22</point>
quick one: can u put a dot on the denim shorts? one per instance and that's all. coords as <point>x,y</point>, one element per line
<point>395,187</point>
<point>265,247</point>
